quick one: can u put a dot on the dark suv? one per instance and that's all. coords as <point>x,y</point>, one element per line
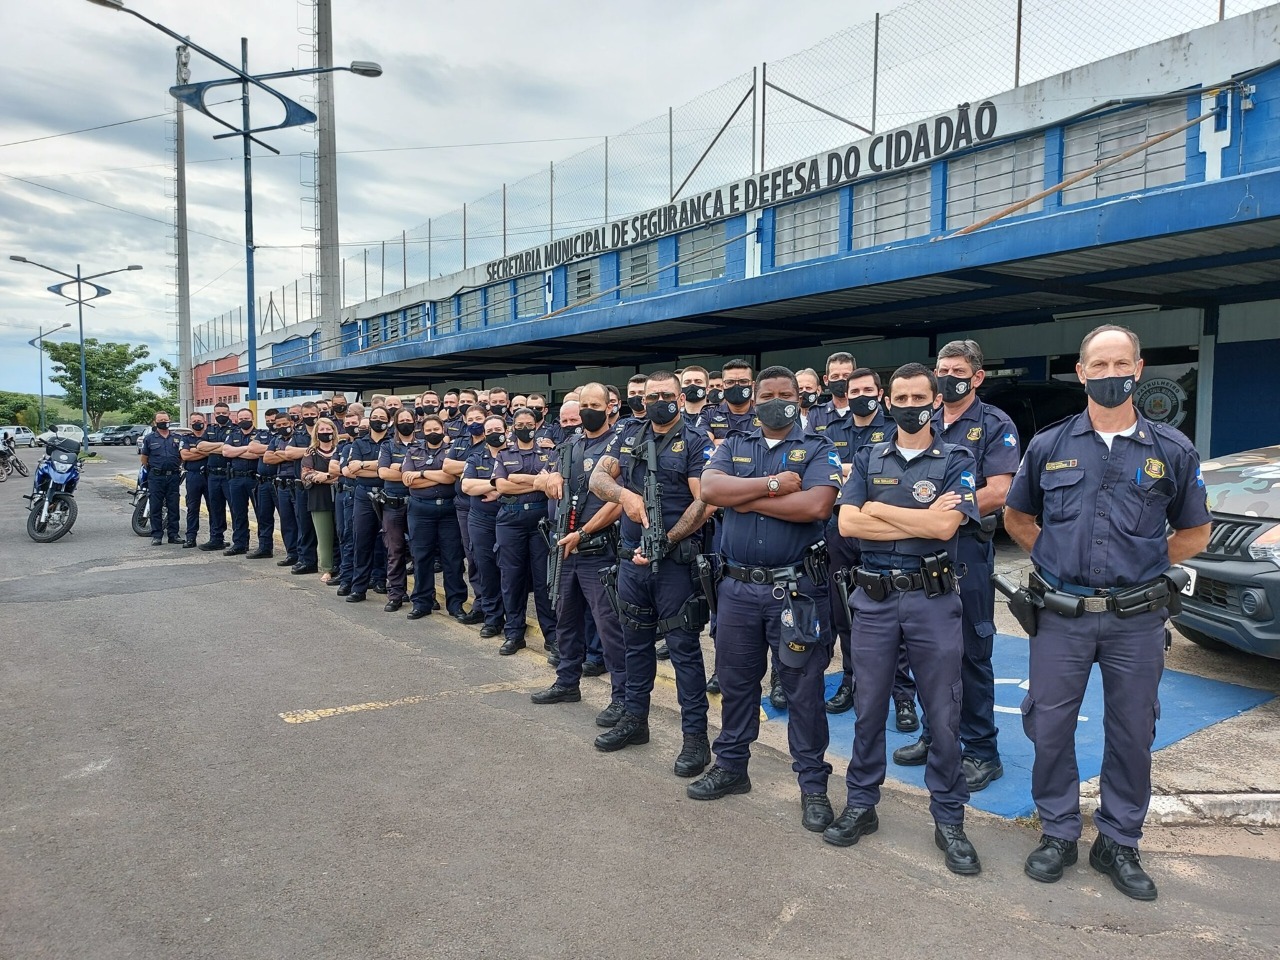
<point>1033,405</point>
<point>123,435</point>
<point>1233,598</point>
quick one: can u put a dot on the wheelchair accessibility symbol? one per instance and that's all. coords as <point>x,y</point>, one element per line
<point>1021,685</point>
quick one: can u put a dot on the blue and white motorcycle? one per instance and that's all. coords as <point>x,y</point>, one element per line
<point>53,504</point>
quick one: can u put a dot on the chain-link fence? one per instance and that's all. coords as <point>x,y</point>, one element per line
<point>919,60</point>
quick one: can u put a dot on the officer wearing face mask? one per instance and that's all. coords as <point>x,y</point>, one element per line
<point>470,444</point>
<point>452,415</point>
<point>1108,486</point>
<point>433,524</point>
<point>428,405</point>
<point>264,490</point>
<point>338,407</point>
<point>161,455</point>
<point>715,388</point>
<point>737,413</point>
<point>693,394</point>
<point>547,434</point>
<point>990,436</point>
<point>242,467</point>
<point>498,405</point>
<point>282,455</point>
<point>659,594</point>
<point>194,478</point>
<point>304,438</point>
<point>635,398</point>
<point>905,501</point>
<point>778,485</point>
<point>810,390</point>
<point>344,504</point>
<point>479,484</point>
<point>395,516</point>
<point>366,528</point>
<point>216,476</point>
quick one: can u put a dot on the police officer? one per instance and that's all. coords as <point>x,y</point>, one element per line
<point>470,443</point>
<point>304,438</point>
<point>343,504</point>
<point>433,523</point>
<point>905,501</point>
<point>284,457</point>
<point>242,468</point>
<point>736,413</point>
<point>449,410</point>
<point>498,404</point>
<point>366,528</point>
<point>587,548</point>
<point>478,483</point>
<point>194,466</point>
<point>778,485</point>
<point>161,456</point>
<point>264,491</point>
<point>395,511</point>
<point>1105,483</point>
<point>693,392</point>
<point>810,390</point>
<point>216,476</point>
<point>992,439</point>
<point>658,592</point>
<point>547,434</point>
<point>522,551</point>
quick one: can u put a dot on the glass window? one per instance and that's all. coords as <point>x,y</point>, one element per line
<point>393,326</point>
<point>1090,142</point>
<point>698,261</point>
<point>806,230</point>
<point>498,302</point>
<point>638,269</point>
<point>892,209</point>
<point>986,181</point>
<point>530,300</point>
<point>417,317</point>
<point>584,280</point>
<point>470,310</point>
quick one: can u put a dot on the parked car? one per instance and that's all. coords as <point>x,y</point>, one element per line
<point>1233,599</point>
<point>69,431</point>
<point>123,435</point>
<point>22,436</point>
<point>95,436</point>
<point>1033,405</point>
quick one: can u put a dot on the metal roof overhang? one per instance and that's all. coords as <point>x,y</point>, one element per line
<point>1193,245</point>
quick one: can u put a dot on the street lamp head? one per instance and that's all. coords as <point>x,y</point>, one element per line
<point>134,266</point>
<point>110,4</point>
<point>63,327</point>
<point>14,256</point>
<point>365,68</point>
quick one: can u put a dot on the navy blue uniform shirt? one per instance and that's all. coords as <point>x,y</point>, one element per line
<point>392,455</point>
<point>752,539</point>
<point>574,460</point>
<point>238,438</point>
<point>880,473</point>
<point>511,459</point>
<point>990,436</point>
<point>189,441</point>
<point>722,421</point>
<point>265,469</point>
<point>161,452</point>
<point>680,459</point>
<point>1103,512</point>
<point>289,469</point>
<point>480,467</point>
<point>216,434</point>
<point>419,456</point>
<point>464,451</point>
<point>367,449</point>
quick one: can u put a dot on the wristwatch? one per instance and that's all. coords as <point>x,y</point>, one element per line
<point>773,486</point>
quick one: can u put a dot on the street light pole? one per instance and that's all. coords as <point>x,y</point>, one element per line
<point>38,343</point>
<point>251,319</point>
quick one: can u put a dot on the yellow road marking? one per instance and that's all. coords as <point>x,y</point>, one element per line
<point>324,713</point>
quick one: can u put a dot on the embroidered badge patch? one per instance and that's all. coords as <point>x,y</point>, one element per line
<point>1153,468</point>
<point>1061,464</point>
<point>924,491</point>
<point>975,433</point>
<point>797,456</point>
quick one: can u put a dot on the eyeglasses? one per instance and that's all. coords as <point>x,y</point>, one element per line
<point>739,382</point>
<point>654,397</point>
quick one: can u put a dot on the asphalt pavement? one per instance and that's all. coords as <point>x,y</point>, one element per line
<point>208,757</point>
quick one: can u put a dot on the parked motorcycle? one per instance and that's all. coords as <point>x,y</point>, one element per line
<point>141,506</point>
<point>9,462</point>
<point>53,509</point>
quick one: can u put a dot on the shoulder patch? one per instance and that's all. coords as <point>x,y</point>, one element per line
<point>967,479</point>
<point>1153,468</point>
<point>1010,439</point>
<point>833,458</point>
<point>709,449</point>
<point>975,433</point>
<point>1061,464</point>
<point>797,456</point>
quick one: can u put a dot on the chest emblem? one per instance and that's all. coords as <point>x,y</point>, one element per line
<point>588,463</point>
<point>797,456</point>
<point>678,447</point>
<point>975,433</point>
<point>1154,469</point>
<point>924,491</point>
<point>1061,464</point>
<point>877,437</point>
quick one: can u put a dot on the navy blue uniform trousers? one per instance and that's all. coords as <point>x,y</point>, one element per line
<point>162,500</point>
<point>434,535</point>
<point>930,627</point>
<point>464,528</point>
<point>484,545</point>
<point>306,533</point>
<point>522,566</point>
<point>366,533</point>
<point>1130,656</point>
<point>395,525</point>
<point>264,511</point>
<point>239,492</point>
<point>216,497</point>
<point>748,636</point>
<point>342,513</point>
<point>583,604</point>
<point>288,519</point>
<point>662,594</point>
<point>196,492</point>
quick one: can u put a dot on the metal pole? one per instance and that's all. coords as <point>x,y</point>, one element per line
<point>1222,10</point>
<point>504,218</point>
<point>404,259</point>
<point>251,322</point>
<point>41,341</point>
<point>764,107</point>
<point>186,388</point>
<point>755,83</point>
<point>366,273</point>
<point>84,379</point>
<point>1017,51</point>
<point>464,236</point>
<point>671,151</point>
<point>606,179</point>
<point>428,248</point>
<point>326,170</point>
<point>875,75</point>
<point>551,218</point>
<point>383,289</point>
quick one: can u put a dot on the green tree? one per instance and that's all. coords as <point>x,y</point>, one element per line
<point>170,383</point>
<point>112,373</point>
<point>21,409</point>
<point>145,405</point>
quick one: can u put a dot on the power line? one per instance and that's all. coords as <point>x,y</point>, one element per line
<point>72,133</point>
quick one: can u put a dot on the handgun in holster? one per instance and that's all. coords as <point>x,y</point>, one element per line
<point>709,574</point>
<point>841,616</point>
<point>1023,604</point>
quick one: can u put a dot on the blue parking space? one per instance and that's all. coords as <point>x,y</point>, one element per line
<point>1188,703</point>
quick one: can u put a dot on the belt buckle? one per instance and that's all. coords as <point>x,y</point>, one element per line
<point>1095,604</point>
<point>901,582</point>
<point>759,576</point>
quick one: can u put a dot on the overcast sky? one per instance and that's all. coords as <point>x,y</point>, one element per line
<point>455,73</point>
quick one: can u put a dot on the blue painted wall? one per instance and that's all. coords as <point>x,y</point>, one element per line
<point>1246,395</point>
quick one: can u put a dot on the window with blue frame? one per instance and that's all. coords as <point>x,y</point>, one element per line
<point>638,269</point>
<point>470,310</point>
<point>892,208</point>
<point>1090,142</point>
<point>583,280</point>
<point>807,230</point>
<point>531,301</point>
<point>498,302</point>
<point>416,320</point>
<point>986,181</point>
<point>701,255</point>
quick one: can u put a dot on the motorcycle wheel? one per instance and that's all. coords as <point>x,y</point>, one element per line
<point>62,514</point>
<point>142,519</point>
<point>4,472</point>
<point>20,467</point>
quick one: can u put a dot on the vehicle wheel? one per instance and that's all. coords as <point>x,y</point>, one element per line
<point>20,467</point>
<point>142,519</point>
<point>62,514</point>
<point>1203,639</point>
<point>4,472</point>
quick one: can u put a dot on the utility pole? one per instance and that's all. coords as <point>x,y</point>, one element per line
<point>327,185</point>
<point>186,389</point>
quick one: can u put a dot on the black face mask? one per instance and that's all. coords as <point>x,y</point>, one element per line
<point>912,419</point>
<point>777,414</point>
<point>524,434</point>
<point>377,426</point>
<point>462,408</point>
<point>824,398</point>
<point>498,409</point>
<point>197,426</point>
<point>808,398</point>
<point>662,412</point>
<point>450,411</point>
<point>294,417</point>
<point>538,414</point>
<point>430,408</point>
<point>325,437</point>
<point>406,429</point>
<point>351,429</point>
<point>433,438</point>
<point>495,439</point>
<point>714,396</point>
<point>339,409</point>
<point>954,389</point>
<point>246,425</point>
<point>162,425</point>
<point>693,393</point>
<point>593,421</point>
<point>737,396</point>
<point>838,388</point>
<point>308,421</point>
<point>636,404</point>
<point>1110,392</point>
<point>863,405</point>
<point>222,419</point>
<point>419,411</point>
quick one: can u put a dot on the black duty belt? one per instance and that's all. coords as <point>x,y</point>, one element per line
<point>162,473</point>
<point>523,506</point>
<point>218,471</point>
<point>191,470</point>
<point>285,482</point>
<point>899,580</point>
<point>243,473</point>
<point>437,501</point>
<point>764,575</point>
